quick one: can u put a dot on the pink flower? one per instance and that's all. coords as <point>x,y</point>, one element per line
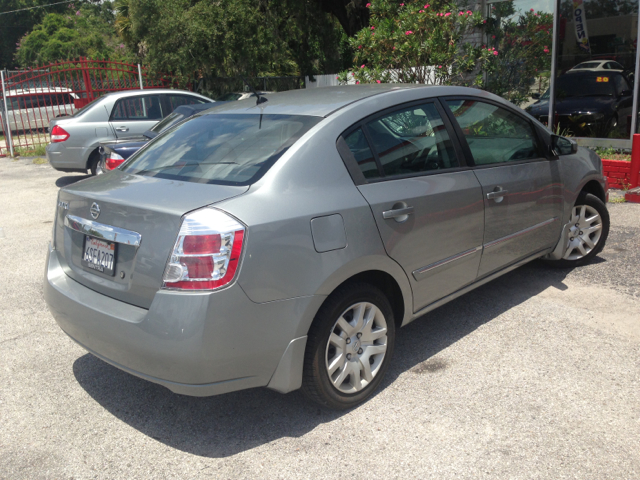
<point>408,32</point>
<point>546,50</point>
<point>368,5</point>
<point>532,10</point>
<point>394,48</point>
<point>378,81</point>
<point>493,36</point>
<point>353,74</point>
<point>402,4</point>
<point>546,46</point>
<point>78,13</point>
<point>420,11</point>
<point>469,12</point>
<point>484,21</point>
<point>359,46</point>
<point>427,6</point>
<point>372,27</point>
<point>447,14</point>
<point>337,78</point>
<point>357,82</point>
<point>460,13</point>
<point>439,66</point>
<point>362,66</point>
<point>495,52</point>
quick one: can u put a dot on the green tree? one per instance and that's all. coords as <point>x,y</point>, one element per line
<point>418,42</point>
<point>88,32</point>
<point>13,26</point>
<point>204,39</point>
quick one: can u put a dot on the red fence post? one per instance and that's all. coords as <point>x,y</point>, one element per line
<point>635,161</point>
<point>87,79</point>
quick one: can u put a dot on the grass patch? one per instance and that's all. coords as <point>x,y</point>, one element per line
<point>33,151</point>
<point>617,200</point>
<point>613,153</point>
<point>39,161</point>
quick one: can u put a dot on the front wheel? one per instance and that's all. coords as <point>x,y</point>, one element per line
<point>349,347</point>
<point>588,232</point>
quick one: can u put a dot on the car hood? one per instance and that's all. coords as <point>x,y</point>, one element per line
<point>570,105</point>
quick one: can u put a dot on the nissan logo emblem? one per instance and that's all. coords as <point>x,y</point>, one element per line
<point>95,210</point>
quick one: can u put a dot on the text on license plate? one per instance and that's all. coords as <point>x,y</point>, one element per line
<point>99,255</point>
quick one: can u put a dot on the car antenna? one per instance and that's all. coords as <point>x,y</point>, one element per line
<point>260,99</point>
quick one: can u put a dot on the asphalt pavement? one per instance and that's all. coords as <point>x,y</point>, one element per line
<point>534,375</point>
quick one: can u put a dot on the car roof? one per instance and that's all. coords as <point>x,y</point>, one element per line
<point>148,91</point>
<point>321,102</point>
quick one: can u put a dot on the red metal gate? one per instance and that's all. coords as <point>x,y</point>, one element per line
<point>37,95</point>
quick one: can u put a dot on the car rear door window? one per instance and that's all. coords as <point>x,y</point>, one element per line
<point>412,140</point>
<point>138,108</point>
<point>359,147</point>
<point>176,100</point>
<point>494,134</point>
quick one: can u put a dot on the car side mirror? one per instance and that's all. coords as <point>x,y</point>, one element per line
<point>535,96</point>
<point>563,146</point>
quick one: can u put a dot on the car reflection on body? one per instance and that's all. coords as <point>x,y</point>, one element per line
<point>588,103</point>
<point>281,243</point>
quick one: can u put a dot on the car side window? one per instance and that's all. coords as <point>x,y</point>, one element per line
<point>357,143</point>
<point>412,140</point>
<point>494,134</point>
<point>176,100</point>
<point>137,108</point>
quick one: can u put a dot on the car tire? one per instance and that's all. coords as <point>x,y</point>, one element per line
<point>349,347</point>
<point>92,164</point>
<point>590,232</point>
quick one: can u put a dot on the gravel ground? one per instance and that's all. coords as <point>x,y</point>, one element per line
<point>534,375</point>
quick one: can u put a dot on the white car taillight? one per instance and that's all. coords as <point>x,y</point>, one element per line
<point>207,252</point>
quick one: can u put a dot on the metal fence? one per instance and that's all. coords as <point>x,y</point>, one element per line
<point>31,98</point>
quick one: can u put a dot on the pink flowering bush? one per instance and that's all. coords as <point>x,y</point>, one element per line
<point>412,38</point>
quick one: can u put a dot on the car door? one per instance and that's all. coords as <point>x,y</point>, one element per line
<point>522,188</point>
<point>135,115</point>
<point>426,203</point>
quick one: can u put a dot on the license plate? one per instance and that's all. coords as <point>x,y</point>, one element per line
<point>99,255</point>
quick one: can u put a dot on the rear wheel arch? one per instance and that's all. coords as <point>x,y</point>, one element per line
<point>92,160</point>
<point>387,284</point>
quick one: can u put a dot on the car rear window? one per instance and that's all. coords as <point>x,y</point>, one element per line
<point>220,149</point>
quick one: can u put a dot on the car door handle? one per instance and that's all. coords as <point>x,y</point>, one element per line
<point>398,212</point>
<point>122,129</point>
<point>497,194</point>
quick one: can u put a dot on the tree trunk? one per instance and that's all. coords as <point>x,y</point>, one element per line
<point>353,15</point>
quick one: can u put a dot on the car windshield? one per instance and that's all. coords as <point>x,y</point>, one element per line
<point>578,85</point>
<point>169,120</point>
<point>221,149</point>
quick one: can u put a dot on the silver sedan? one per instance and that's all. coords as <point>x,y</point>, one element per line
<point>75,139</point>
<point>281,243</point>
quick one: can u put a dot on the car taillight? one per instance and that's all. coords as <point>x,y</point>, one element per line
<point>58,134</point>
<point>207,252</point>
<point>113,161</point>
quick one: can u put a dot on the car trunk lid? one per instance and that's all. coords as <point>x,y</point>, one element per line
<point>126,207</point>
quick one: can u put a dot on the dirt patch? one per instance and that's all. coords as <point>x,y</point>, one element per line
<point>430,366</point>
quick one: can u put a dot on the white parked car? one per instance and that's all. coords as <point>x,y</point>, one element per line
<point>33,108</point>
<point>597,66</point>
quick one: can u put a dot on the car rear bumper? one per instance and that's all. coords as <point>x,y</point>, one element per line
<point>66,159</point>
<point>192,343</point>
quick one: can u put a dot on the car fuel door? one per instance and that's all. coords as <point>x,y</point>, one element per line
<point>521,188</point>
<point>427,207</point>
